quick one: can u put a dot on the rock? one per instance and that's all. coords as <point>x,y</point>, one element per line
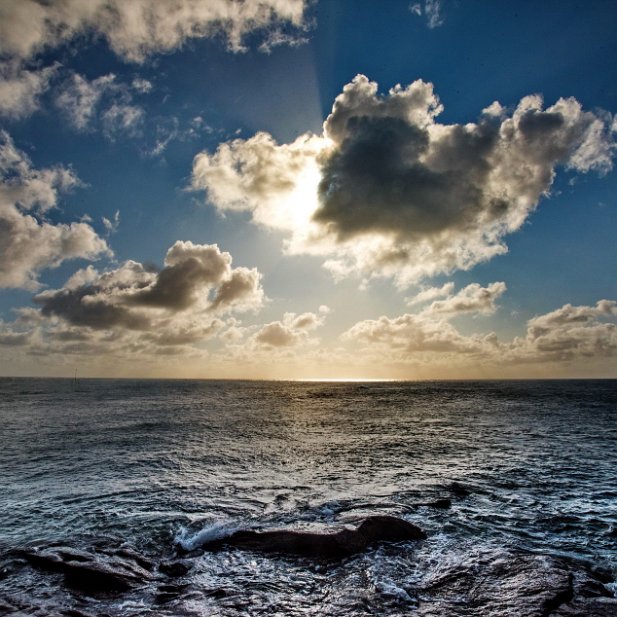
<point>174,568</point>
<point>373,530</point>
<point>518,584</point>
<point>458,490</point>
<point>90,572</point>
<point>441,504</point>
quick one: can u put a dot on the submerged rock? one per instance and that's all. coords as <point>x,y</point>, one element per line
<point>373,530</point>
<point>517,584</point>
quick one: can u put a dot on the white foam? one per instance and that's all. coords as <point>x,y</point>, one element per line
<point>190,540</point>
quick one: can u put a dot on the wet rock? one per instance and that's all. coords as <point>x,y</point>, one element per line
<point>167,593</point>
<point>90,572</point>
<point>174,568</point>
<point>373,530</point>
<point>441,504</point>
<point>517,584</point>
<point>459,490</point>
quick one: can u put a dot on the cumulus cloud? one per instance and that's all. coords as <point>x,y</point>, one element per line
<point>570,332</point>
<point>411,334</point>
<point>388,190</point>
<point>20,88</point>
<point>28,242</point>
<point>134,297</point>
<point>564,336</point>
<point>471,299</point>
<point>292,330</point>
<point>137,310</point>
<point>135,29</point>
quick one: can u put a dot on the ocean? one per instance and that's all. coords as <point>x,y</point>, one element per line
<point>513,482</point>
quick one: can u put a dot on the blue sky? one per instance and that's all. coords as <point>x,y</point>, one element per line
<point>174,205</point>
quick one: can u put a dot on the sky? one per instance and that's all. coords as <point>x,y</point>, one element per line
<point>308,189</point>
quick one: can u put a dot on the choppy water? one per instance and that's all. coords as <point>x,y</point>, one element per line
<point>157,463</point>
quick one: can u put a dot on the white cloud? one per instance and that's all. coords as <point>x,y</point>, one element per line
<point>20,89</point>
<point>29,243</point>
<point>431,293</point>
<point>124,119</point>
<point>569,333</point>
<point>141,85</point>
<point>80,97</point>
<point>432,9</point>
<point>386,190</point>
<point>564,337</point>
<point>111,226</point>
<point>291,331</point>
<point>136,29</point>
<point>421,333</point>
<point>103,99</point>
<point>471,299</point>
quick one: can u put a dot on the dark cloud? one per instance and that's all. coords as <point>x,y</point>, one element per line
<point>135,298</point>
<point>388,190</point>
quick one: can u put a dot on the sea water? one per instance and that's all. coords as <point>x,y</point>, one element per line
<point>528,466</point>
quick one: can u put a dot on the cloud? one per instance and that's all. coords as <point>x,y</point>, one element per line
<point>291,331</point>
<point>20,89</point>
<point>84,101</point>
<point>568,333</point>
<point>121,118</point>
<point>431,293</point>
<point>386,190</point>
<point>471,299</point>
<point>412,334</point>
<point>431,9</point>
<point>564,336</point>
<point>134,297</point>
<point>111,226</point>
<point>28,242</point>
<point>135,29</point>
<point>136,310</point>
<point>79,97</point>
<point>141,85</point>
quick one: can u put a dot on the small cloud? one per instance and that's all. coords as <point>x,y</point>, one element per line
<point>431,293</point>
<point>111,226</point>
<point>431,9</point>
<point>291,331</point>
<point>79,98</point>
<point>141,85</point>
<point>125,119</point>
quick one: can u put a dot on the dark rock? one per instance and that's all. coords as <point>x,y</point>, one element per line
<point>138,558</point>
<point>174,568</point>
<point>373,530</point>
<point>458,490</point>
<point>441,504</point>
<point>91,572</point>
<point>518,584</point>
<point>167,593</point>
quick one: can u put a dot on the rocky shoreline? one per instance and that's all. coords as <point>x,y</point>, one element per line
<point>525,584</point>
